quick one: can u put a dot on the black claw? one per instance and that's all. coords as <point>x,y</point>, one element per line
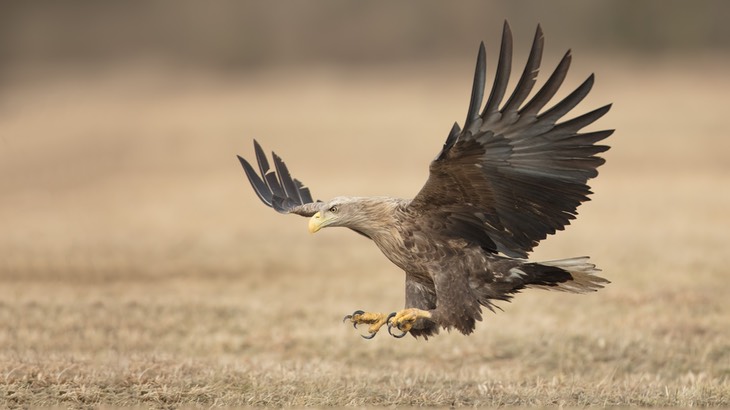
<point>390,327</point>
<point>357,312</point>
<point>394,335</point>
<point>387,319</point>
<point>372,335</point>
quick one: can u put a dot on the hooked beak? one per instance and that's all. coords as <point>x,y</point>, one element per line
<point>315,222</point>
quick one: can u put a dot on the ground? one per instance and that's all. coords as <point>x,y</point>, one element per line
<point>137,267</point>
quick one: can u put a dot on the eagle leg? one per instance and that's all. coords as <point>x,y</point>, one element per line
<point>405,320</point>
<point>375,320</point>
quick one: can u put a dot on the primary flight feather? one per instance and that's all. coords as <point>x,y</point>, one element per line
<point>505,181</point>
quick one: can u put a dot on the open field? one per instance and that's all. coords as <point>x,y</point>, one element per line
<point>137,267</point>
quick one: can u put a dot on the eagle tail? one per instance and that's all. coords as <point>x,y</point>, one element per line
<point>574,275</point>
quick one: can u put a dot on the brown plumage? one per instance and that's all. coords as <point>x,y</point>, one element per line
<point>509,178</point>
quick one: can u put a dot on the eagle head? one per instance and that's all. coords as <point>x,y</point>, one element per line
<point>333,213</point>
<point>364,215</point>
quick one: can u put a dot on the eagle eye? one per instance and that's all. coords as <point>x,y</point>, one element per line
<point>333,209</point>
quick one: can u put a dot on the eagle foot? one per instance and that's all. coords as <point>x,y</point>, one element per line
<point>375,320</point>
<point>405,320</point>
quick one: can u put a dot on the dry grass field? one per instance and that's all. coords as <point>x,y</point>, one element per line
<point>137,267</point>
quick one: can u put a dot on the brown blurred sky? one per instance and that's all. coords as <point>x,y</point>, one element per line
<point>240,34</point>
<point>120,121</point>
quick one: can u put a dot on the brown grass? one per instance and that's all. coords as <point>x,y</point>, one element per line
<point>138,268</point>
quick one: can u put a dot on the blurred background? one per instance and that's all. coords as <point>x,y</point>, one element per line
<point>256,34</point>
<point>120,121</point>
<point>134,253</point>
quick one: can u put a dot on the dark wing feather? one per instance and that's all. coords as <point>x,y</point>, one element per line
<point>277,189</point>
<point>477,89</point>
<point>513,173</point>
<point>504,67</point>
<point>529,75</point>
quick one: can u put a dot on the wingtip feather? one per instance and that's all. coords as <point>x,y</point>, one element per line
<point>501,78</point>
<point>263,163</point>
<point>529,75</point>
<point>259,186</point>
<point>477,90</point>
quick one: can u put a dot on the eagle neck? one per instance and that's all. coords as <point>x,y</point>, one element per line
<point>376,217</point>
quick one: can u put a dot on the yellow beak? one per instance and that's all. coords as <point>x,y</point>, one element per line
<point>315,222</point>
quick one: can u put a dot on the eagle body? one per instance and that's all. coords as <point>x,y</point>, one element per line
<point>449,275</point>
<point>514,174</point>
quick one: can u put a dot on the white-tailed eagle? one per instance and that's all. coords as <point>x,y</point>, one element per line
<point>513,174</point>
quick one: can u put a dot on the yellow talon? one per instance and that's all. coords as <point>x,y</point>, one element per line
<point>375,320</point>
<point>405,319</point>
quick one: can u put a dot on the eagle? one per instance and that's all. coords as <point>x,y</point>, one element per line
<point>515,173</point>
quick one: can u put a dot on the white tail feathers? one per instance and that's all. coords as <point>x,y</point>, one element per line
<point>583,273</point>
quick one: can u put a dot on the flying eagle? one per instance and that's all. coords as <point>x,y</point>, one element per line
<point>511,176</point>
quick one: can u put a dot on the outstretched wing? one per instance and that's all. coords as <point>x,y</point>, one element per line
<point>514,175</point>
<point>276,188</point>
